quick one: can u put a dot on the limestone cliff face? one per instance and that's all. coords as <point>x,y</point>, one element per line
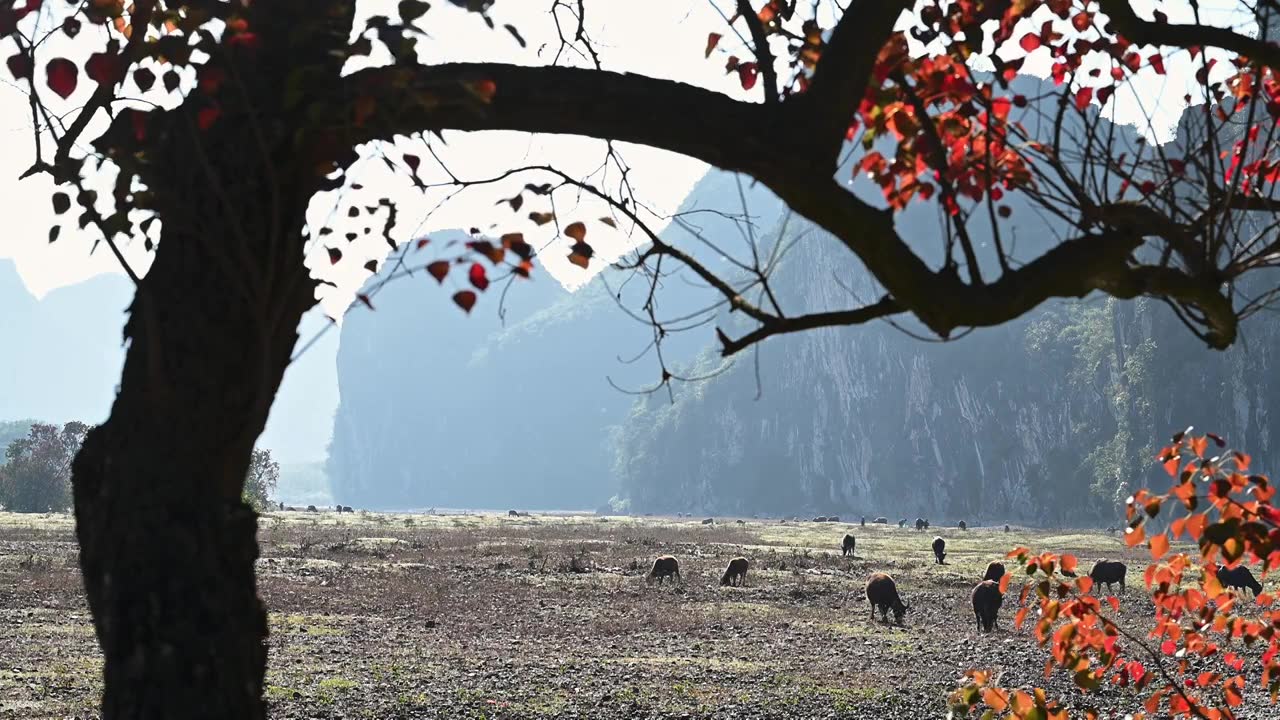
<point>1050,419</point>
<point>442,409</point>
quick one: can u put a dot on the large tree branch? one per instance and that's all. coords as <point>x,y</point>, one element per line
<point>844,70</point>
<point>748,138</point>
<point>1146,32</point>
<point>665,114</point>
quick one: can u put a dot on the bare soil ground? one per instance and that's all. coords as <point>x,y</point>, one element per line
<point>482,616</point>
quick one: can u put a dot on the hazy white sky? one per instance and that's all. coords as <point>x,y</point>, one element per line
<point>663,38</point>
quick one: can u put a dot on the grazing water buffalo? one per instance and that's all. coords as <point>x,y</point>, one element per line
<point>962,525</point>
<point>1006,528</point>
<point>833,518</point>
<point>882,521</point>
<point>986,604</point>
<point>513,513</point>
<point>1108,571</point>
<point>736,573</point>
<point>664,567</point>
<point>939,549</point>
<point>882,593</point>
<point>995,571</point>
<point>922,524</point>
<point>863,521</point>
<point>847,546</point>
<point>902,523</point>
<point>1238,577</point>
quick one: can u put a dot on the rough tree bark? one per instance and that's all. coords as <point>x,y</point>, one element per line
<point>167,546</point>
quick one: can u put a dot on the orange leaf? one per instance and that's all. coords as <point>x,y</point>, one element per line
<point>1199,445</point>
<point>577,231</point>
<point>1022,703</point>
<point>1115,602</point>
<point>1133,536</point>
<point>996,699</point>
<point>1159,546</point>
<point>1004,583</point>
<point>1068,563</point>
<point>1195,526</point>
<point>1084,584</point>
<point>1018,618</point>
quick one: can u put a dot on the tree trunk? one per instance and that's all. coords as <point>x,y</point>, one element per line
<point>167,546</point>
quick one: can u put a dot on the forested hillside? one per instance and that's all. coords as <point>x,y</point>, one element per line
<point>1052,419</point>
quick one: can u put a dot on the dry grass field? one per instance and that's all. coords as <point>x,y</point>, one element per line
<point>486,616</point>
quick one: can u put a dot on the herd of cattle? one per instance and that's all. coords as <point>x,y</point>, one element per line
<point>882,590</point>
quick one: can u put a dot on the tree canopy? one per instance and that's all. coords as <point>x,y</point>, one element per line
<point>251,109</point>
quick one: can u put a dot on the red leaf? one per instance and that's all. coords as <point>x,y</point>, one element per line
<point>1001,106</point>
<point>577,231</point>
<point>712,40</point>
<point>139,122</point>
<point>206,117</point>
<point>1030,42</point>
<point>422,242</point>
<point>1104,94</point>
<point>484,90</point>
<point>104,68</point>
<point>747,73</point>
<point>334,255</point>
<point>1083,97</point>
<point>477,277</point>
<point>438,270</point>
<point>245,40</point>
<point>62,75</point>
<point>465,300</point>
<point>1082,21</point>
<point>1157,63</point>
<point>20,66</point>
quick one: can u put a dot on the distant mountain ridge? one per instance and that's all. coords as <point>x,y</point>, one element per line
<point>61,356</point>
<point>443,409</point>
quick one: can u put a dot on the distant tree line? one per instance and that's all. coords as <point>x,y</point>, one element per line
<point>36,474</point>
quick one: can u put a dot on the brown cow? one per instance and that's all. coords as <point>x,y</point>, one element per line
<point>986,604</point>
<point>665,567</point>
<point>882,593</point>
<point>736,573</point>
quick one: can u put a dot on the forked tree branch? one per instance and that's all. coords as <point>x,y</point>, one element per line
<point>747,137</point>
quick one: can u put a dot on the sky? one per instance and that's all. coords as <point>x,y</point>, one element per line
<point>662,39</point>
